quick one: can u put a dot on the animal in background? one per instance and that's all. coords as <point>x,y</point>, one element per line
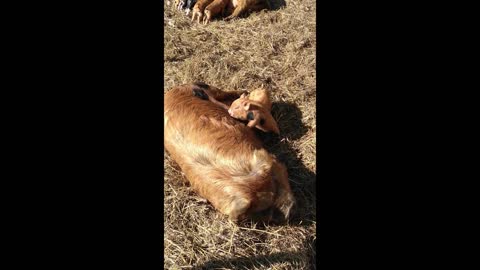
<point>222,159</point>
<point>180,4</point>
<point>186,5</point>
<point>238,7</point>
<point>215,8</point>
<point>205,10</point>
<point>198,9</point>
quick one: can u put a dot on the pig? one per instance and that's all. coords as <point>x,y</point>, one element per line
<point>255,113</point>
<point>221,158</point>
<point>254,108</point>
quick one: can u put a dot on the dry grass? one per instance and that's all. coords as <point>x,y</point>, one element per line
<point>275,48</point>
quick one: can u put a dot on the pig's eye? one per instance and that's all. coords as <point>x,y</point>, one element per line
<point>238,107</point>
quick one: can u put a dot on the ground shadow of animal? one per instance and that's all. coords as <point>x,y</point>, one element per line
<point>276,4</point>
<point>302,179</point>
<point>265,260</point>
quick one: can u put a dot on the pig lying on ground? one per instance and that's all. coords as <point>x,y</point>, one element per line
<point>221,158</point>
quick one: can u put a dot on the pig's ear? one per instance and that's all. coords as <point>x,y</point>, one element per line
<point>246,105</point>
<point>244,95</point>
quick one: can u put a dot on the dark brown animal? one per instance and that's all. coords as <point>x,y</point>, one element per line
<point>222,159</point>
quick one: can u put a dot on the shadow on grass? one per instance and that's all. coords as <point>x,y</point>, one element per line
<point>252,262</point>
<point>276,4</point>
<point>265,260</point>
<point>302,179</point>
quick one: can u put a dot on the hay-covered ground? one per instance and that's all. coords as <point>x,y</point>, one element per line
<point>275,48</point>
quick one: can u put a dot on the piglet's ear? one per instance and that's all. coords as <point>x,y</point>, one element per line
<point>243,95</point>
<point>246,105</point>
